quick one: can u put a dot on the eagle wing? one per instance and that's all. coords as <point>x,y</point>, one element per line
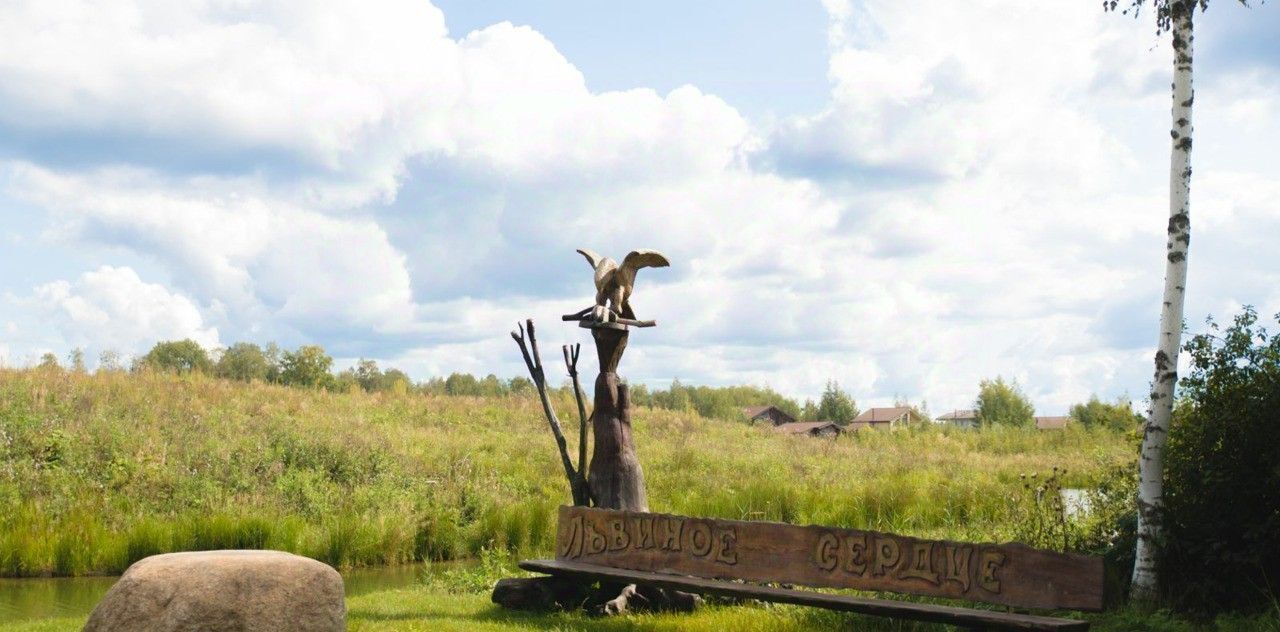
<point>644,259</point>
<point>592,257</point>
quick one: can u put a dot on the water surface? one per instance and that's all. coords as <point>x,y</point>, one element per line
<point>44,598</point>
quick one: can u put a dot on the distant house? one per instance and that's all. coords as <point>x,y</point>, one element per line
<point>1052,423</point>
<point>961,418</point>
<point>884,418</point>
<point>772,414</point>
<point>811,428</point>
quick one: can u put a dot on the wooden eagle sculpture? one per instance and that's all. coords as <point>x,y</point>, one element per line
<point>614,282</point>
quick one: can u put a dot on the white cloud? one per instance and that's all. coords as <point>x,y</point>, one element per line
<point>332,99</point>
<point>234,246</point>
<point>112,308</point>
<point>980,197</point>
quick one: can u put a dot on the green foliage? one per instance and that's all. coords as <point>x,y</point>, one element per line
<point>462,384</point>
<point>1003,403</point>
<point>49,361</point>
<point>246,362</point>
<point>1093,520</point>
<point>1165,10</point>
<point>717,402</point>
<point>467,385</point>
<point>367,376</point>
<point>106,467</point>
<point>809,411</point>
<point>307,367</point>
<point>439,605</point>
<point>836,405</point>
<point>492,564</point>
<point>75,360</point>
<point>1041,513</point>
<point>110,360</point>
<point>1222,472</point>
<point>1096,413</point>
<point>177,356</point>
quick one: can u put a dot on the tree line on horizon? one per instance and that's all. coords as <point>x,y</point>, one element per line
<point>998,403</point>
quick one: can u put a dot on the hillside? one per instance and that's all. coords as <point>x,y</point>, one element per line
<point>104,469</point>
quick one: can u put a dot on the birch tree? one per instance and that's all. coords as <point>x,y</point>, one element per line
<point>1175,17</point>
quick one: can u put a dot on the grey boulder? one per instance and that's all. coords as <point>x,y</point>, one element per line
<point>234,591</point>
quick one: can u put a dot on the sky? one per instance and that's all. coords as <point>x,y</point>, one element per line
<point>904,197</point>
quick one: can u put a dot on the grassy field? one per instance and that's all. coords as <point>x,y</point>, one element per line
<point>101,470</point>
<point>423,609</point>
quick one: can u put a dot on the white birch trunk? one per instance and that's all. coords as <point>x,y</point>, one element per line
<point>1156,430</point>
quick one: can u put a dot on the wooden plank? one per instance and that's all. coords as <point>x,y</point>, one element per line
<point>1008,574</point>
<point>981,619</point>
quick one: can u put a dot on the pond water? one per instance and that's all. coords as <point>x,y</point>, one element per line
<point>43,598</point>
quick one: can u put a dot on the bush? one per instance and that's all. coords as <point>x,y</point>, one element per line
<point>1003,403</point>
<point>246,362</point>
<point>307,367</point>
<point>1222,476</point>
<point>1096,413</point>
<point>177,356</point>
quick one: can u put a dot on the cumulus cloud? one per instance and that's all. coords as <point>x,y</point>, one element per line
<point>329,100</point>
<point>234,246</point>
<point>977,198</point>
<point>112,308</point>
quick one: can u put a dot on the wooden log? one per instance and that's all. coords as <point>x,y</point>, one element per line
<point>616,479</point>
<point>540,593</point>
<point>571,362</point>
<point>977,619</point>
<point>1008,574</point>
<point>533,362</point>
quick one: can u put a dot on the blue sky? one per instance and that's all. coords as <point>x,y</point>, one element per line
<point>904,197</point>
<point>766,58</point>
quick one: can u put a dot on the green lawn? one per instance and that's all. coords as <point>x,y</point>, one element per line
<point>102,470</point>
<point>424,608</point>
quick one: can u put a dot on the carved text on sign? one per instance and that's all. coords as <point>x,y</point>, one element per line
<point>674,534</point>
<point>859,554</point>
<point>1010,574</point>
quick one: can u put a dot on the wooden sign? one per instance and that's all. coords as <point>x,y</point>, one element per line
<point>1009,574</point>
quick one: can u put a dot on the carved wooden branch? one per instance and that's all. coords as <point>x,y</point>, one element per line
<point>585,315</point>
<point>571,361</point>
<point>533,361</point>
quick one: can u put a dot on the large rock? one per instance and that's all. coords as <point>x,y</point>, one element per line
<point>234,591</point>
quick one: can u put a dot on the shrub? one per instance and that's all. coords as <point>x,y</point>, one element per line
<point>246,362</point>
<point>307,367</point>
<point>1040,514</point>
<point>177,356</point>
<point>1222,476</point>
<point>1096,413</point>
<point>1003,403</point>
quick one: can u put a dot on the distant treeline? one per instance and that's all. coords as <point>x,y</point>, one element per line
<point>309,366</point>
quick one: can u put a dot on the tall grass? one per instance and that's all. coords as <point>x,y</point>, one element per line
<point>98,471</point>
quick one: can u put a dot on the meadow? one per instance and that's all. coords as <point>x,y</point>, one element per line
<point>99,470</point>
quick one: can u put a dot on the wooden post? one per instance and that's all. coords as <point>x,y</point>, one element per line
<point>616,479</point>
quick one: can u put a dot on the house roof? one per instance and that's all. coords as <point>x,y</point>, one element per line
<point>755,412</point>
<point>805,427</point>
<point>959,414</point>
<point>882,415</point>
<point>1052,423</point>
